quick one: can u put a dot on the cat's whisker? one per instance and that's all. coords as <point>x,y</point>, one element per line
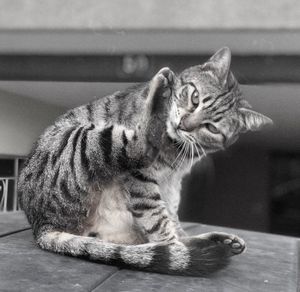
<point>190,138</point>
<point>183,155</point>
<point>180,144</point>
<point>197,151</point>
<point>192,154</point>
<point>174,163</point>
<point>191,141</point>
<point>186,153</point>
<point>196,143</point>
<point>202,149</point>
<point>193,146</point>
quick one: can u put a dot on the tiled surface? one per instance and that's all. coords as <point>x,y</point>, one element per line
<point>269,264</point>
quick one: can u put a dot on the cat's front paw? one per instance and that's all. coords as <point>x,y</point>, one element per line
<point>162,82</point>
<point>233,243</point>
<point>165,78</point>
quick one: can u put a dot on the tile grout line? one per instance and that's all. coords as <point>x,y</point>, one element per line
<point>97,285</point>
<point>13,232</point>
<point>104,280</point>
<point>120,269</point>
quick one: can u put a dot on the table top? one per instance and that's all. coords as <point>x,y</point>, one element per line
<point>269,264</point>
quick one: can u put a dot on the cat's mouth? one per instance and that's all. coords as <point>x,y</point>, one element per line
<point>172,131</point>
<point>176,132</point>
<point>180,139</point>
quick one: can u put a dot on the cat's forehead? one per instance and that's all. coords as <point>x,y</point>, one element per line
<point>204,80</point>
<point>204,83</point>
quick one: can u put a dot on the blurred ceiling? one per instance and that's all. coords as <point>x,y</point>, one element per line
<point>149,27</point>
<point>88,41</point>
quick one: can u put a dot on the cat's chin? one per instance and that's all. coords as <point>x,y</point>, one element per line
<point>171,141</point>
<point>171,132</point>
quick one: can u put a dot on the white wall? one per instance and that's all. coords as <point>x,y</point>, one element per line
<point>21,121</point>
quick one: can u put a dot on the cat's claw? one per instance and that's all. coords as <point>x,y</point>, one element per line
<point>167,75</point>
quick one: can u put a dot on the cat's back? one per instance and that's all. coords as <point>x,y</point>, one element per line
<point>59,153</point>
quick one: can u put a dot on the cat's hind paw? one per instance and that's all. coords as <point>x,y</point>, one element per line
<point>235,244</point>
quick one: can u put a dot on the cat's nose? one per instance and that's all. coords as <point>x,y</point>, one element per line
<point>189,123</point>
<point>184,125</point>
<point>181,126</point>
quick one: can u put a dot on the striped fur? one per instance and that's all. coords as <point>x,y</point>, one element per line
<point>193,256</point>
<point>104,181</point>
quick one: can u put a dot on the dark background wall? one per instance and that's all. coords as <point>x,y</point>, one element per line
<point>230,189</point>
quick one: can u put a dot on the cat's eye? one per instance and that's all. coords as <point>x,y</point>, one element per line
<point>212,128</point>
<point>195,98</point>
<point>184,92</point>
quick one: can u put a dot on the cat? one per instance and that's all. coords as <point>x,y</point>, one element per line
<point>103,182</point>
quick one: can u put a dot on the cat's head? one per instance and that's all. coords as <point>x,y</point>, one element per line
<point>207,106</point>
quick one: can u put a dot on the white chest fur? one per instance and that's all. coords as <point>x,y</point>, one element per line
<point>110,218</point>
<point>170,187</point>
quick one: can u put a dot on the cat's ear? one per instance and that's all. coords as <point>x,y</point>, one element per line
<point>253,121</point>
<point>244,104</point>
<point>231,81</point>
<point>219,63</point>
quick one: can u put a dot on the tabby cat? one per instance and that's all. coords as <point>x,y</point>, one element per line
<point>103,182</point>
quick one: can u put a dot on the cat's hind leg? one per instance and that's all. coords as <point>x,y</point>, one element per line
<point>148,208</point>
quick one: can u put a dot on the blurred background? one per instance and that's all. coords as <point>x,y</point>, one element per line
<point>55,55</point>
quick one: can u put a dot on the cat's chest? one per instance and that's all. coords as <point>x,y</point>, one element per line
<point>170,187</point>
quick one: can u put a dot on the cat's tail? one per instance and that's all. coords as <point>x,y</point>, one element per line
<point>191,257</point>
